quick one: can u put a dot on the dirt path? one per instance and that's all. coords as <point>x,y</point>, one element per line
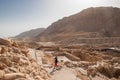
<point>65,74</point>
<point>36,56</point>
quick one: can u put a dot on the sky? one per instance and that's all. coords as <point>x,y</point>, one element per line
<point>17,16</point>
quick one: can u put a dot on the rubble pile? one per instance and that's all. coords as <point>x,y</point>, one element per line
<point>109,70</point>
<point>105,69</point>
<point>17,64</point>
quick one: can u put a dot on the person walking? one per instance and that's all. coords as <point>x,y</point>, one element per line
<point>55,62</point>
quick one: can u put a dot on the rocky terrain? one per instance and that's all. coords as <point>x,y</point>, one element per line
<point>87,45</point>
<point>84,62</point>
<point>76,62</point>
<point>16,63</point>
<point>90,23</point>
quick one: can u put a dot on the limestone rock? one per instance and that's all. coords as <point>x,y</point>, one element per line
<point>15,44</point>
<point>3,50</point>
<point>25,52</point>
<point>16,50</point>
<point>2,73</point>
<point>38,78</point>
<point>5,42</point>
<point>12,69</point>
<point>117,72</point>
<point>2,66</point>
<point>91,71</point>
<point>12,76</point>
<point>5,60</point>
<point>17,64</point>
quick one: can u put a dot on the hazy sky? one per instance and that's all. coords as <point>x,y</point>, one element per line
<point>17,16</point>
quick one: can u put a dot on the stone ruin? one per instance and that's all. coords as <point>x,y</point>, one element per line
<point>93,64</point>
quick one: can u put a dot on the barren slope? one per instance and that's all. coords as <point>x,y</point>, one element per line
<point>91,22</point>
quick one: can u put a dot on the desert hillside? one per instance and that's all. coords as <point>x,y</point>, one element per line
<point>89,23</point>
<point>30,34</point>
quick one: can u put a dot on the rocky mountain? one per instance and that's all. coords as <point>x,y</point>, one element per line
<point>89,23</point>
<point>30,34</point>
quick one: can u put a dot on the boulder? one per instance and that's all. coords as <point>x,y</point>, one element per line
<point>12,76</point>
<point>16,50</point>
<point>5,42</point>
<point>5,60</point>
<point>15,59</point>
<point>12,69</point>
<point>2,73</point>
<point>2,66</point>
<point>25,52</point>
<point>91,71</point>
<point>15,44</point>
<point>4,50</point>
<point>117,72</point>
<point>106,69</point>
<point>38,78</point>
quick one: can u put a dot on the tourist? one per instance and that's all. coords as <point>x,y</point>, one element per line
<point>55,62</point>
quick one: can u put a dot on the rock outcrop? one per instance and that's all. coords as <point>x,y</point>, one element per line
<point>5,42</point>
<point>17,64</point>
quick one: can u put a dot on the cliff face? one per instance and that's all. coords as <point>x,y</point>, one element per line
<point>91,22</point>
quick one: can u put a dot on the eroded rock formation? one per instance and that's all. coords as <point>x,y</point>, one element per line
<point>16,63</point>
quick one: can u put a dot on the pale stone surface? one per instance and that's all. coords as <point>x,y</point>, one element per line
<point>17,64</point>
<point>65,74</point>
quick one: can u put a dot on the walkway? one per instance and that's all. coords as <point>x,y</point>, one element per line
<point>62,74</point>
<point>65,74</point>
